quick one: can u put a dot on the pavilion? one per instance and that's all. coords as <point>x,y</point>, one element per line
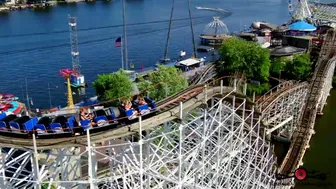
<point>301,28</point>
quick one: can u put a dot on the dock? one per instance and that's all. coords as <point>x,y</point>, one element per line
<point>205,48</point>
<point>145,72</point>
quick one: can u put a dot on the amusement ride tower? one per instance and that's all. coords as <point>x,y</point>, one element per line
<point>74,44</point>
<point>66,73</point>
<point>73,77</point>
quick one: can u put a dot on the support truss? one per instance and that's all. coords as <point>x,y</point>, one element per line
<point>327,86</point>
<point>285,111</point>
<point>216,147</point>
<point>324,12</point>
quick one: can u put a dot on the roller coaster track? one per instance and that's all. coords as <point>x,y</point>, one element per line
<point>269,97</point>
<point>302,134</point>
<point>168,110</point>
<point>201,78</point>
<point>328,45</point>
<point>288,87</point>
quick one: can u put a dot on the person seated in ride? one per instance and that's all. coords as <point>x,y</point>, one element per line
<point>87,116</point>
<point>128,105</point>
<point>136,99</point>
<point>123,104</point>
<point>142,101</point>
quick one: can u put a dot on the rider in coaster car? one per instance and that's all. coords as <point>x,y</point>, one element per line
<point>87,116</point>
<point>136,99</point>
<point>129,106</point>
<point>142,101</point>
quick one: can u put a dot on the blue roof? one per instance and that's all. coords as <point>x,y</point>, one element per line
<point>302,26</point>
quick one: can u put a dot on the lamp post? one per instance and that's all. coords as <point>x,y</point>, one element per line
<point>49,95</point>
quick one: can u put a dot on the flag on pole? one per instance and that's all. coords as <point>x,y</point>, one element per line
<point>118,42</point>
<point>31,102</point>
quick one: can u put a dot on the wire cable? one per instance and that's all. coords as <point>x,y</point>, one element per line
<point>14,52</point>
<point>96,28</point>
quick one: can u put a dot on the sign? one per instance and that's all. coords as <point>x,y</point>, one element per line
<point>316,40</point>
<point>304,177</point>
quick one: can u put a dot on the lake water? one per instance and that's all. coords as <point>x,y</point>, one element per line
<point>35,45</point>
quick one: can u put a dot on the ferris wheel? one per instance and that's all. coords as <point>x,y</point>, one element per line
<point>300,9</point>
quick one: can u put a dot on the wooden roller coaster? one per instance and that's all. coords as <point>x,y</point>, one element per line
<point>302,135</point>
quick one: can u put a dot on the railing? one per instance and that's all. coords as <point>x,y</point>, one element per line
<point>201,75</point>
<point>194,71</point>
<point>275,89</point>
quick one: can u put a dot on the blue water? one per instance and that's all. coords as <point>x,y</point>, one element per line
<point>40,55</point>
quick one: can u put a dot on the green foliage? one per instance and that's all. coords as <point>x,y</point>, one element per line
<point>45,186</point>
<point>258,89</point>
<point>246,57</point>
<point>299,68</point>
<point>278,64</point>
<point>334,81</point>
<point>166,77</point>
<point>113,86</point>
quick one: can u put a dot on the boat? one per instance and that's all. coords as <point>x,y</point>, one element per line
<point>4,9</point>
<point>11,107</point>
<point>205,48</point>
<point>190,64</point>
<point>213,9</point>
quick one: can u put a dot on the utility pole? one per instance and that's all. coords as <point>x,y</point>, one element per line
<point>125,38</point>
<point>165,58</point>
<point>22,91</point>
<point>192,30</point>
<point>28,103</point>
<point>49,95</point>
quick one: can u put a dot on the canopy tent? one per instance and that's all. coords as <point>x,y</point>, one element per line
<point>286,51</point>
<point>302,26</point>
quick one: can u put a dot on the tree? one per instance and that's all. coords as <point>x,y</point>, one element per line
<point>166,79</point>
<point>278,65</point>
<point>299,68</point>
<point>257,89</point>
<point>245,57</point>
<point>113,86</point>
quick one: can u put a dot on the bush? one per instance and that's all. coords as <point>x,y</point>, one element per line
<point>245,57</point>
<point>165,76</point>
<point>113,86</point>
<point>299,68</point>
<point>258,89</point>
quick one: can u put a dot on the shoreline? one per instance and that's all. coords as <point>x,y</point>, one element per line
<point>6,8</point>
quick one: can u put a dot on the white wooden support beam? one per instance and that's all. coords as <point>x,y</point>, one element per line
<point>269,131</point>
